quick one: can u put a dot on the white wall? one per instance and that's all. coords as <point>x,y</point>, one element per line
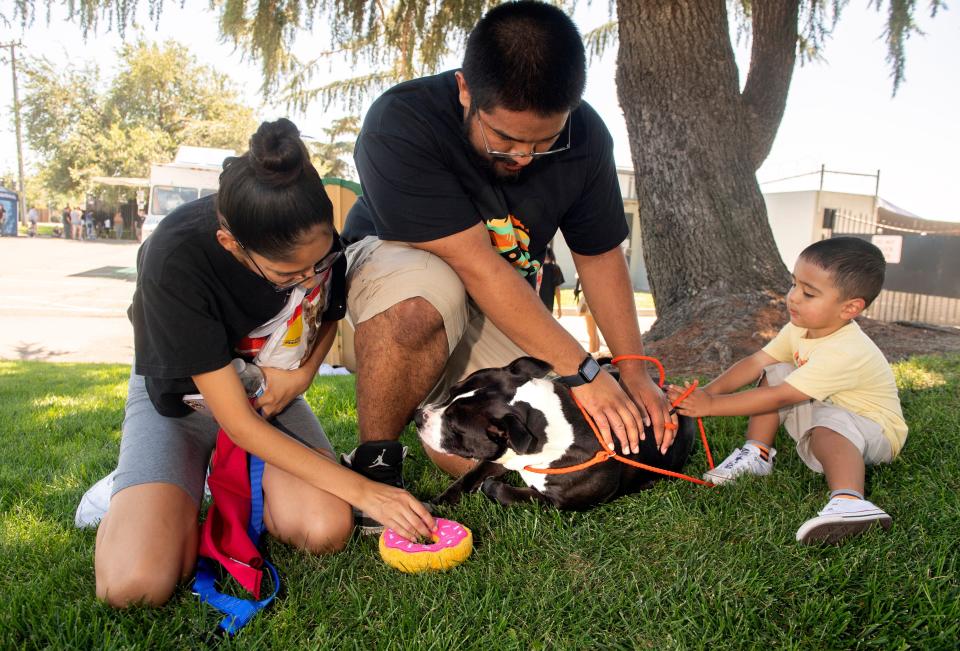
<point>793,218</point>
<point>796,218</point>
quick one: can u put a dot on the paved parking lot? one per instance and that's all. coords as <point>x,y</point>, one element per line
<point>66,301</point>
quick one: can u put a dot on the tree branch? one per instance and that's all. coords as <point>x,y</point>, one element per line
<point>772,59</point>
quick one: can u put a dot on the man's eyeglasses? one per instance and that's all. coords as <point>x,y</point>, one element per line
<point>327,261</point>
<point>530,154</point>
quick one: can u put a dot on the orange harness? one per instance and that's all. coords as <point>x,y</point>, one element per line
<point>604,454</point>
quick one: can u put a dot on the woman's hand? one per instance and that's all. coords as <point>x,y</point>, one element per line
<point>281,388</point>
<point>397,509</point>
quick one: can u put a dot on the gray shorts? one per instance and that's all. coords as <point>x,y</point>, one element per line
<point>800,419</point>
<point>383,273</point>
<point>177,451</point>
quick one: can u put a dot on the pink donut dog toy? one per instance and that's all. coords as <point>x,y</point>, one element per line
<point>452,544</point>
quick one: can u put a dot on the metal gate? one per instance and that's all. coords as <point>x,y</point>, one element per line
<point>923,273</point>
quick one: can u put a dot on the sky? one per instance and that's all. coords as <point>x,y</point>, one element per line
<point>840,112</point>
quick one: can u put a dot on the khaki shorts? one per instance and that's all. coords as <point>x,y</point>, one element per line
<point>800,419</point>
<point>381,274</point>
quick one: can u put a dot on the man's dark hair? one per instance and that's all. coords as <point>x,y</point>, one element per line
<point>856,265</point>
<point>525,56</point>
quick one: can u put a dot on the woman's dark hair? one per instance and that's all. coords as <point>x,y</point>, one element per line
<point>271,195</point>
<point>525,56</point>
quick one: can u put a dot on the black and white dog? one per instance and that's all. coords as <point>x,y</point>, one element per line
<point>512,417</point>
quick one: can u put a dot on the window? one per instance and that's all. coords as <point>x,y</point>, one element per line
<point>164,198</point>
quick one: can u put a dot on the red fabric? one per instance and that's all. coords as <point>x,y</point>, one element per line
<point>224,536</point>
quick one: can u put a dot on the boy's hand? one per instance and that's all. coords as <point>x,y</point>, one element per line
<point>697,404</point>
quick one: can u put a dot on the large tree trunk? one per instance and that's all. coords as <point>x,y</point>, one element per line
<point>697,142</point>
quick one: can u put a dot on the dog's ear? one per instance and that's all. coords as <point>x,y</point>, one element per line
<point>513,431</point>
<point>529,367</point>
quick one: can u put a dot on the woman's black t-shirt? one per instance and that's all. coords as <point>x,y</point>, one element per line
<point>422,180</point>
<point>194,302</point>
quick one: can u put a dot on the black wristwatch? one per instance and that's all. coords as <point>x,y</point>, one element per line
<point>589,369</point>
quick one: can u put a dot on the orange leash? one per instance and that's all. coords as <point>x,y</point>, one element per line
<point>604,454</point>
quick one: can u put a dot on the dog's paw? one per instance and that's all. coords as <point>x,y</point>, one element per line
<point>489,487</point>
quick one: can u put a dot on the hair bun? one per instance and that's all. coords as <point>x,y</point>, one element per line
<point>277,155</point>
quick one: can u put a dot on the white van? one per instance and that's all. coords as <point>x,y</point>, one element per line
<point>194,173</point>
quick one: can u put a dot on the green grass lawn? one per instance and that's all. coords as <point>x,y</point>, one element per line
<point>675,567</point>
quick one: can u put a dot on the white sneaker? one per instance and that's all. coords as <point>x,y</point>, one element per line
<point>94,503</point>
<point>747,460</point>
<point>842,518</point>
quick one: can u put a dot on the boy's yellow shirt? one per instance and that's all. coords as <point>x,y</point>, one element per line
<point>845,369</point>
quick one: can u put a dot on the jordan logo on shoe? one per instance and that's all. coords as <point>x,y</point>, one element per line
<point>378,462</point>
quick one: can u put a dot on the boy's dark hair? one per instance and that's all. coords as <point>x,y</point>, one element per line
<point>857,266</point>
<point>271,195</point>
<point>525,56</point>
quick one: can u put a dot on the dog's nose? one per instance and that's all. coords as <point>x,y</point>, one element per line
<point>418,418</point>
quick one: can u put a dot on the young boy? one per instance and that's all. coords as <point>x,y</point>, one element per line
<point>825,381</point>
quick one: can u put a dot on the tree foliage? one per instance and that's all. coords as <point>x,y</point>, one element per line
<point>699,127</point>
<point>83,126</point>
<point>330,155</point>
<point>387,42</point>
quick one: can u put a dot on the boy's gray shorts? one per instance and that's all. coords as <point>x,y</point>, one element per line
<point>177,451</point>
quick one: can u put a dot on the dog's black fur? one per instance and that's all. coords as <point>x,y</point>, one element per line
<point>496,427</point>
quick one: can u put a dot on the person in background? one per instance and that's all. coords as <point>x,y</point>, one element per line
<point>551,277</point>
<point>32,216</point>
<point>89,221</point>
<point>76,223</point>
<point>583,309</point>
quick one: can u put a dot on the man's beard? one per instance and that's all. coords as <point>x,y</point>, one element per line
<point>488,164</point>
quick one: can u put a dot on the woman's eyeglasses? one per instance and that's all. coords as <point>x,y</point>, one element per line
<point>321,266</point>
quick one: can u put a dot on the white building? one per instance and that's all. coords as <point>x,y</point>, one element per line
<point>633,245</point>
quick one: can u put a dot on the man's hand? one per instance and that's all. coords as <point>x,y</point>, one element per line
<point>698,404</point>
<point>652,401</point>
<point>281,388</point>
<point>397,509</point>
<point>613,411</point>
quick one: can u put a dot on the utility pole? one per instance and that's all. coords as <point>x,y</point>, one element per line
<point>21,201</point>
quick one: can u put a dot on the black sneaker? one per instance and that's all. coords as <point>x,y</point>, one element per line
<point>380,461</point>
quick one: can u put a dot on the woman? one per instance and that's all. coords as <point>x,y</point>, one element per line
<point>215,270</point>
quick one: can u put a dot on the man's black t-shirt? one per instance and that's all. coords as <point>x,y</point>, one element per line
<point>194,302</point>
<point>422,180</point>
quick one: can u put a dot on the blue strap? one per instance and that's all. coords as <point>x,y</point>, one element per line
<point>255,530</point>
<point>238,612</point>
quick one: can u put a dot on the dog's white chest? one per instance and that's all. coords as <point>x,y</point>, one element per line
<point>558,434</point>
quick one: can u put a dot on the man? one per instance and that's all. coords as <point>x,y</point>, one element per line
<point>76,223</point>
<point>501,152</point>
<point>32,216</point>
